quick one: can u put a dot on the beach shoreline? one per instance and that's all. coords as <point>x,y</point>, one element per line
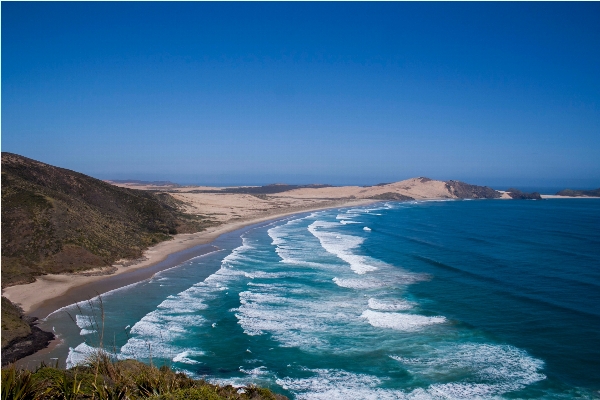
<point>52,292</point>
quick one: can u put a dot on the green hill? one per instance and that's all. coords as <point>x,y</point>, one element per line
<point>55,220</point>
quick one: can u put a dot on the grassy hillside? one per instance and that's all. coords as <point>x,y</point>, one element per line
<point>55,220</point>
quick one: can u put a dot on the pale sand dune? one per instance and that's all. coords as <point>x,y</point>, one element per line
<point>417,188</point>
<point>505,195</point>
<point>225,206</point>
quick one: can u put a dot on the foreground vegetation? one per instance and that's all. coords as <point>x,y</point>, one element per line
<point>102,378</point>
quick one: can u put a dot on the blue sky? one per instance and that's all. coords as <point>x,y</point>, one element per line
<point>251,93</point>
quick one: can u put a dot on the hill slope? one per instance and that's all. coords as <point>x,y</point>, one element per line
<point>55,220</point>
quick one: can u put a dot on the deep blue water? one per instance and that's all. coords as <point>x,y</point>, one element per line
<point>436,299</point>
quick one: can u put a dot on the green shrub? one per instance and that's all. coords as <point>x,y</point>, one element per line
<point>65,387</point>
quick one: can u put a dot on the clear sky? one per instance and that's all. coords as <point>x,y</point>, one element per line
<point>253,93</point>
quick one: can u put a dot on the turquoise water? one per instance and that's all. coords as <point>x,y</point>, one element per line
<point>437,299</point>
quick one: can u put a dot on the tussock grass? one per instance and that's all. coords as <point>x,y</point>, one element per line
<point>102,378</point>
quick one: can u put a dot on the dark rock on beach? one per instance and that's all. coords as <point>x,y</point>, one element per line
<point>26,346</point>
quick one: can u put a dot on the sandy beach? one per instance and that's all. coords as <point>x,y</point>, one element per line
<point>51,292</point>
<point>228,212</point>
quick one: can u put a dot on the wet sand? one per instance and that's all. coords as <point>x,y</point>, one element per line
<point>92,289</point>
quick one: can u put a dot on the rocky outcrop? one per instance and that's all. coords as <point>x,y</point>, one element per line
<point>466,191</point>
<point>579,193</point>
<point>518,195</point>
<point>26,346</point>
<point>20,336</point>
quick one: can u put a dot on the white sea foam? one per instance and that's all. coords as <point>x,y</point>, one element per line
<point>184,357</point>
<point>401,322</point>
<point>334,384</point>
<point>315,316</point>
<point>358,283</point>
<point>171,320</point>
<point>79,355</point>
<point>258,284</point>
<point>177,314</point>
<point>255,371</point>
<point>497,368</point>
<point>366,228</point>
<point>343,216</point>
<point>393,305</point>
<point>264,275</point>
<point>292,246</point>
<point>369,210</point>
<point>342,248</point>
<point>85,321</point>
<point>238,253</point>
<point>386,276</point>
<point>293,322</point>
<point>328,384</point>
<point>346,222</point>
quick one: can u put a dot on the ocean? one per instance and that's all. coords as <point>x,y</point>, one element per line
<point>395,300</point>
